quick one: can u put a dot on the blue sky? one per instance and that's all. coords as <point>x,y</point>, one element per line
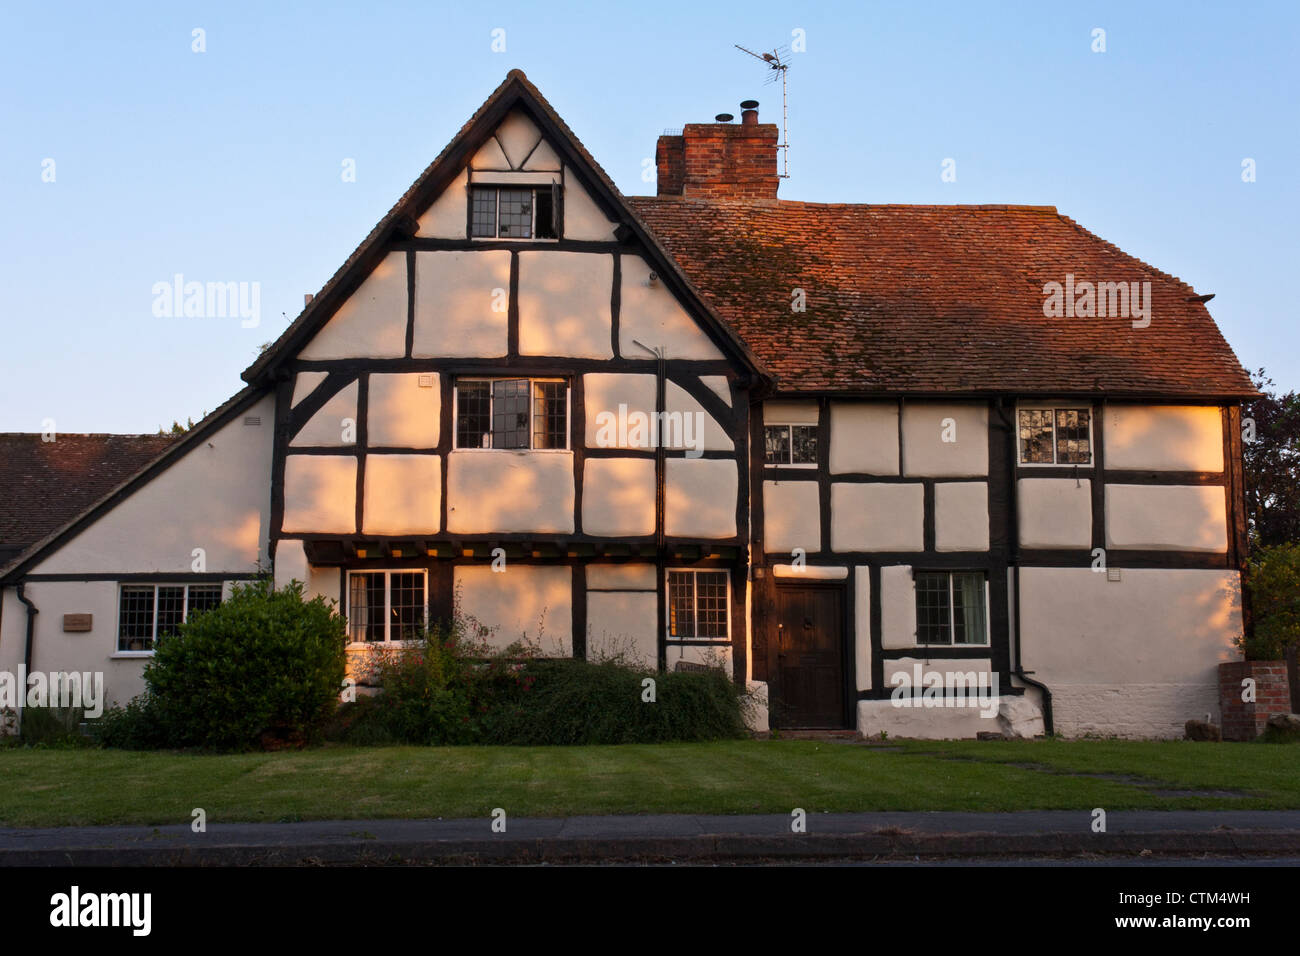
<point>226,165</point>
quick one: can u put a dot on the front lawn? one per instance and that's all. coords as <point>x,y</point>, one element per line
<point>79,787</point>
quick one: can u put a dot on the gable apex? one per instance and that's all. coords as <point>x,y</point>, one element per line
<point>518,101</point>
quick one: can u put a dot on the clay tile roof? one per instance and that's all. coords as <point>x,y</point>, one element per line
<point>936,299</point>
<point>44,485</point>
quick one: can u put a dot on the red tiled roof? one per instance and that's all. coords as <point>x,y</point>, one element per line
<point>935,299</point>
<point>44,485</point>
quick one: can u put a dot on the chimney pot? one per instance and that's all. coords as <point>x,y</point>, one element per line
<point>749,118</point>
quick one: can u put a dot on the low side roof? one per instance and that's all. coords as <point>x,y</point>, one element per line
<point>930,299</point>
<point>45,484</point>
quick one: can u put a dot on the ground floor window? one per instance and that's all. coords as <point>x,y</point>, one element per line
<point>147,612</point>
<point>697,605</point>
<point>386,605</point>
<point>950,608</point>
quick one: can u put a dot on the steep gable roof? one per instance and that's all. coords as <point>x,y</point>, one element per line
<point>400,222</point>
<point>925,299</point>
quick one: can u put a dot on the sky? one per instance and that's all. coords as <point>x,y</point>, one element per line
<point>262,148</point>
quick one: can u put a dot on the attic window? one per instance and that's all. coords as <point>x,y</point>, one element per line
<point>514,212</point>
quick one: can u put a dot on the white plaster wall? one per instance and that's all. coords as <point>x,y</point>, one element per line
<point>719,386</point>
<point>1164,437</point>
<point>504,491</point>
<point>564,304</point>
<point>623,623</point>
<point>710,437</point>
<point>877,517</point>
<point>1054,512</point>
<point>457,295</point>
<point>320,494</point>
<point>1015,717</point>
<point>54,650</point>
<point>618,496</point>
<point>926,453</point>
<point>326,427</point>
<point>490,156</point>
<point>811,572</point>
<point>603,393</point>
<point>961,516</point>
<point>651,315</point>
<point>291,562</point>
<point>543,158</point>
<point>304,383</point>
<point>897,607</point>
<point>862,626</point>
<point>1167,517</point>
<point>631,577</point>
<point>718,656</point>
<point>790,413</point>
<point>700,497</point>
<point>791,516</point>
<point>526,601</point>
<point>446,216</point>
<point>864,438</point>
<point>402,413</point>
<point>322,582</point>
<point>372,322</point>
<point>582,216</point>
<point>217,497</point>
<point>1133,658</point>
<point>403,494</point>
<point>517,135</point>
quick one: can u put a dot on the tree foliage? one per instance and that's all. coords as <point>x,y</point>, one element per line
<point>1271,449</point>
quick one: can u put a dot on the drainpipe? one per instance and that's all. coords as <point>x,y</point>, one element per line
<point>32,611</point>
<point>1013,533</point>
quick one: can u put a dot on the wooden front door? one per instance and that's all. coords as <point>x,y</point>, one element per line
<point>809,624</point>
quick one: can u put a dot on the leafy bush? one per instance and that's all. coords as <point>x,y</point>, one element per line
<point>579,702</point>
<point>263,668</point>
<point>1274,581</point>
<point>450,689</point>
<point>52,727</point>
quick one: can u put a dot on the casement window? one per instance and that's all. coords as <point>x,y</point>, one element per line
<point>1055,435</point>
<point>514,212</point>
<point>697,605</point>
<point>951,608</point>
<point>146,612</point>
<point>385,605</point>
<point>790,444</point>
<point>512,413</point>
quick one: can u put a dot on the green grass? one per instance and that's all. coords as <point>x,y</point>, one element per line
<point>79,787</point>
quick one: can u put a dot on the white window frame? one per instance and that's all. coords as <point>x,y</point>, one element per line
<point>952,606</point>
<point>791,463</point>
<point>496,222</point>
<point>532,409</point>
<point>668,632</point>
<point>388,603</point>
<point>153,628</point>
<point>1054,407</point>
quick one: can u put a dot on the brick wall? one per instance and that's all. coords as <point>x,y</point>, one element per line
<point>719,161</point>
<point>1246,721</point>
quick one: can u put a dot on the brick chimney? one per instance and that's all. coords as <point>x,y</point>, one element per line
<point>721,160</point>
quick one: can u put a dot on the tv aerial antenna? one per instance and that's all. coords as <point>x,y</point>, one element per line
<point>778,64</point>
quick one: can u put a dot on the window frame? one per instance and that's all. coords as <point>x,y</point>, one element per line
<point>1054,407</point>
<point>534,188</point>
<point>791,426</point>
<point>532,411</point>
<point>119,650</point>
<point>695,610</point>
<point>952,608</point>
<point>388,640</point>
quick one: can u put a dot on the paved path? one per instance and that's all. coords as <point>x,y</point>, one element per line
<point>664,837</point>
